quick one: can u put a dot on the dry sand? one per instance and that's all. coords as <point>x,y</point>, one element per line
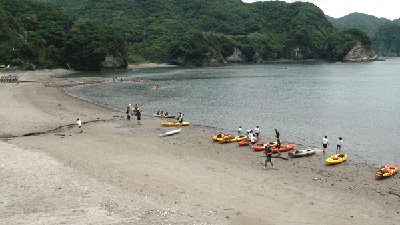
<point>118,172</point>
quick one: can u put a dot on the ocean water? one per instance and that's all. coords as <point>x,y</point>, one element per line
<point>303,100</point>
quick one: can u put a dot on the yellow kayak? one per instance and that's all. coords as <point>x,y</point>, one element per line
<point>335,159</point>
<point>233,139</point>
<point>388,171</point>
<point>170,124</point>
<point>221,136</point>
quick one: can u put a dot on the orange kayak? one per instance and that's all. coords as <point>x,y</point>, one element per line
<point>284,148</point>
<point>262,147</point>
<point>388,171</point>
<point>246,142</point>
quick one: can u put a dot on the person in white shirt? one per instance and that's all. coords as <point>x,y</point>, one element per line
<point>339,145</point>
<point>79,125</point>
<point>240,130</point>
<point>325,143</point>
<point>257,131</point>
<point>250,135</point>
<point>253,140</point>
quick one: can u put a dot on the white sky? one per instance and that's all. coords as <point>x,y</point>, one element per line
<point>389,9</point>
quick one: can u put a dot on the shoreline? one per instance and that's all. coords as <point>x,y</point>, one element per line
<point>185,178</point>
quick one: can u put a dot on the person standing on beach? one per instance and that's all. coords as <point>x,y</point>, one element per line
<point>268,152</point>
<point>257,131</point>
<point>278,146</point>
<point>240,130</point>
<point>180,119</point>
<point>138,115</point>
<point>325,143</point>
<point>248,133</point>
<point>251,135</point>
<point>253,140</point>
<point>79,125</point>
<point>339,145</point>
<point>128,113</point>
<point>181,116</point>
<point>276,134</point>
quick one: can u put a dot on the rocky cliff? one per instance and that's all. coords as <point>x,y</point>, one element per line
<point>114,61</point>
<point>357,54</point>
<point>360,54</point>
<point>236,57</point>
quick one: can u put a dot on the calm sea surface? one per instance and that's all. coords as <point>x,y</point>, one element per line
<point>356,101</point>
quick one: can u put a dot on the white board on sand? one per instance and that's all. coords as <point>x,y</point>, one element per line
<point>172,132</point>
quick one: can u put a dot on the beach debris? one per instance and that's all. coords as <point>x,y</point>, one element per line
<point>394,193</point>
<point>156,214</point>
<point>108,206</point>
<point>9,79</point>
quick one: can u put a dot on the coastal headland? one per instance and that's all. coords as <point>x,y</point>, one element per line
<point>119,172</point>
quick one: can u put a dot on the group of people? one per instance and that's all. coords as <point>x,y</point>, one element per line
<point>136,112</point>
<point>325,143</point>
<point>253,137</point>
<point>162,114</point>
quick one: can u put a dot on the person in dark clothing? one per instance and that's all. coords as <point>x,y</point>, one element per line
<point>138,115</point>
<point>128,113</point>
<point>277,134</point>
<point>268,152</point>
<point>278,146</point>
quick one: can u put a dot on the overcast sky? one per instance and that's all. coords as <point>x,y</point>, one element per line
<point>389,9</point>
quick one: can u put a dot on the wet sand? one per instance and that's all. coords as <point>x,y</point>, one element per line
<point>119,172</point>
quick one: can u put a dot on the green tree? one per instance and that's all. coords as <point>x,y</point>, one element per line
<point>90,41</point>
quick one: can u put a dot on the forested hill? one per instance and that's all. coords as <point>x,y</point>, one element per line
<point>387,40</point>
<point>384,32</point>
<point>188,32</point>
<point>230,17</point>
<point>41,35</point>
<point>367,23</point>
<point>171,30</point>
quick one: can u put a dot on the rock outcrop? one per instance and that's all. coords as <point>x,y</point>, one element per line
<point>360,54</point>
<point>236,57</point>
<point>220,61</point>
<point>114,61</point>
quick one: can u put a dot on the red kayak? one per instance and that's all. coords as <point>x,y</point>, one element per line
<point>246,142</point>
<point>261,147</point>
<point>284,148</point>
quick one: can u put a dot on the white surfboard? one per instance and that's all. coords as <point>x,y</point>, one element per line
<point>169,133</point>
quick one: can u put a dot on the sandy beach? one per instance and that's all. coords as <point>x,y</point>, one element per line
<point>119,172</point>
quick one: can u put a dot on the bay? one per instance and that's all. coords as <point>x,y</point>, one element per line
<point>303,100</point>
